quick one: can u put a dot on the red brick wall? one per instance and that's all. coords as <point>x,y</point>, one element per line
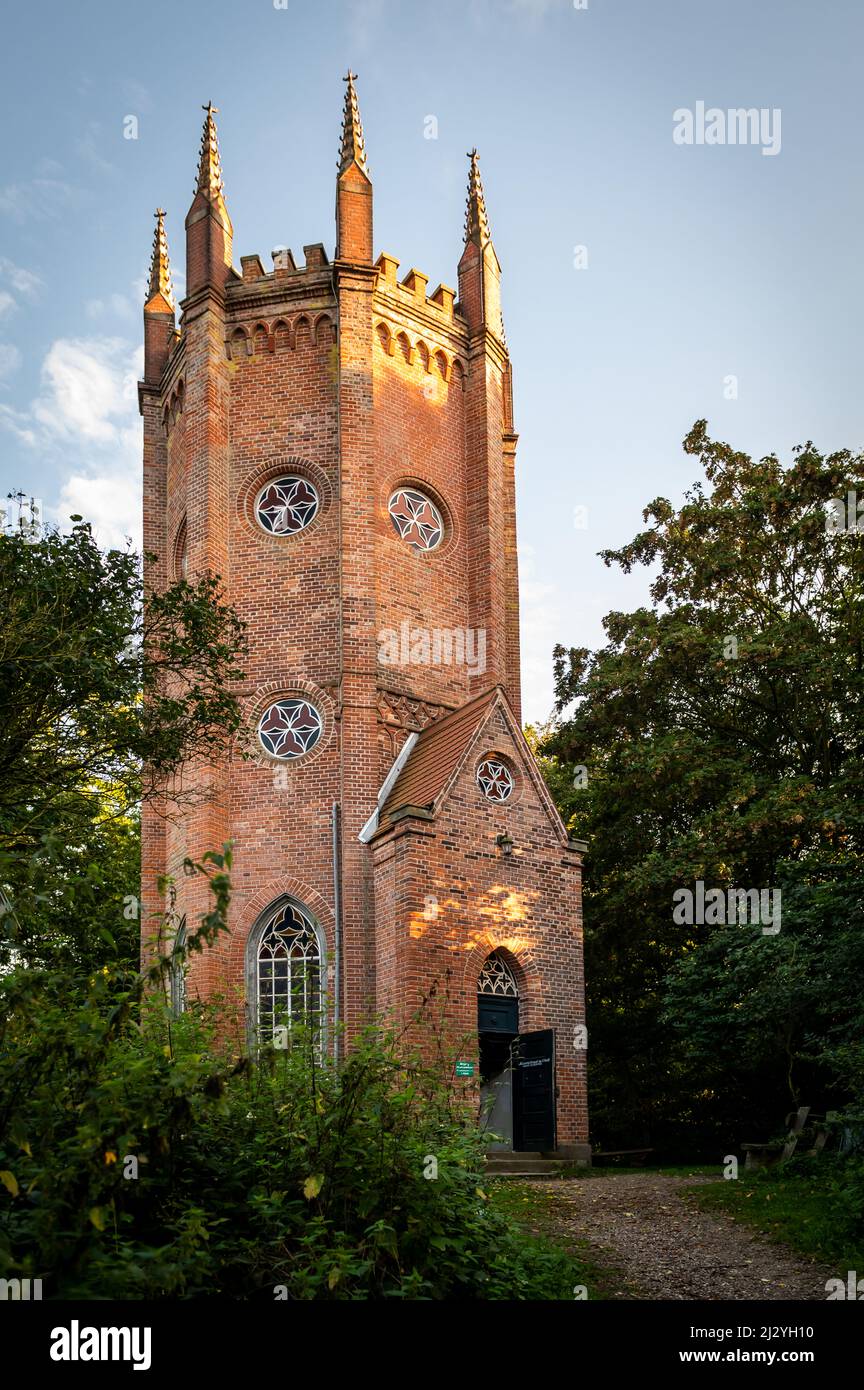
<point>446,897</point>
<point>420,441</point>
<point>361,383</point>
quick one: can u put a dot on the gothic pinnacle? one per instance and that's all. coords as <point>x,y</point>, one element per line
<point>476,220</point>
<point>160,268</point>
<point>209,165</point>
<point>353,144</point>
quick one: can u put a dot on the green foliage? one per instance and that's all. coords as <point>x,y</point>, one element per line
<point>139,1159</point>
<point>96,681</point>
<point>722,733</point>
<point>788,1010</point>
<point>73,902</point>
<point>99,680</point>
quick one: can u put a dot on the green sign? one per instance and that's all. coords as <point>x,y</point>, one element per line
<point>464,1068</point>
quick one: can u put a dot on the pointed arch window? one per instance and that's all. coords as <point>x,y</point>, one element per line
<point>496,977</point>
<point>288,987</point>
<point>177,973</point>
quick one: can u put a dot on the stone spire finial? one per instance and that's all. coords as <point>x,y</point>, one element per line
<point>209,165</point>
<point>476,220</point>
<point>353,144</point>
<point>160,267</point>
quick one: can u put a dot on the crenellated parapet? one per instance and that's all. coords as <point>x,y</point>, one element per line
<point>408,299</point>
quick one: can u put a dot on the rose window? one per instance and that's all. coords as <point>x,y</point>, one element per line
<point>495,780</point>
<point>416,519</point>
<point>286,506</point>
<point>289,728</point>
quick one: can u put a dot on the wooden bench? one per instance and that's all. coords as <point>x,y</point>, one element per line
<point>639,1156</point>
<point>775,1151</point>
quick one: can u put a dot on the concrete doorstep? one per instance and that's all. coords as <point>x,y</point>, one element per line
<point>523,1165</point>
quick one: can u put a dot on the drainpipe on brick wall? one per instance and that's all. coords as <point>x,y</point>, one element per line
<point>337,929</point>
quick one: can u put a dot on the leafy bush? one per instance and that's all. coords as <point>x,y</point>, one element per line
<point>139,1160</point>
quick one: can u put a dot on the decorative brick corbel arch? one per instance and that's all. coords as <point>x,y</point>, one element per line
<point>525,972</point>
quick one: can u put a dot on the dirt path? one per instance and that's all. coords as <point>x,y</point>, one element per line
<point>663,1247</point>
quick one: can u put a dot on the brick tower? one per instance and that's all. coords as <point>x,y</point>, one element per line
<point>338,446</point>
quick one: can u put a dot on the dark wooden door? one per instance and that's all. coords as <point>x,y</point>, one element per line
<point>534,1090</point>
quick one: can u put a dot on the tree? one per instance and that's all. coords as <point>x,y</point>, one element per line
<point>722,734</point>
<point>108,692</point>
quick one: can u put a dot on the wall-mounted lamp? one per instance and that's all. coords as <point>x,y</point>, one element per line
<point>504,843</point>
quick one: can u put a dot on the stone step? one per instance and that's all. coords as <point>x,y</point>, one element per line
<point>524,1164</point>
<point>517,1175</point>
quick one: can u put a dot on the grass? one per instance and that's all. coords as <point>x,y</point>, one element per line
<point>536,1212</point>
<point>687,1170</point>
<point>812,1205</point>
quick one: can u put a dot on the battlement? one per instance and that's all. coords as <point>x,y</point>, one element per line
<point>264,308</point>
<point>441,303</point>
<point>284,266</point>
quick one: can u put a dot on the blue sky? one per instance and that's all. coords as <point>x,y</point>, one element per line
<point>704,262</point>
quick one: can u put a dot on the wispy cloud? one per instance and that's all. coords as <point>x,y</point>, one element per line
<point>538,8</point>
<point>127,308</point>
<point>88,383</point>
<point>121,306</point>
<point>365,21</point>
<point>22,281</point>
<point>482,11</point>
<point>110,502</point>
<point>37,200</point>
<point>17,423</point>
<point>136,95</point>
<point>89,148</point>
<point>86,416</point>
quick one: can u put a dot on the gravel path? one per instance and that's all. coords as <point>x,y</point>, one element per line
<point>663,1247</point>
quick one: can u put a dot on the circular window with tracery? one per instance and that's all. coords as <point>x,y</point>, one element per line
<point>289,728</point>
<point>416,519</point>
<point>495,780</point>
<point>287,505</point>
